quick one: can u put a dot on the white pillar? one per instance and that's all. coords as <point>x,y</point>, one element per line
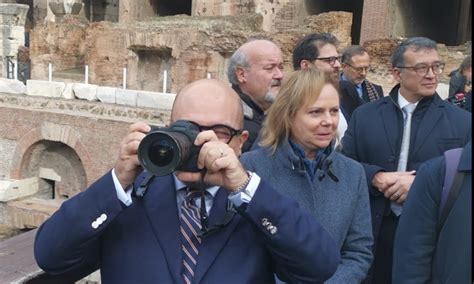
<point>124,84</point>
<point>50,72</point>
<point>165,81</point>
<point>86,75</point>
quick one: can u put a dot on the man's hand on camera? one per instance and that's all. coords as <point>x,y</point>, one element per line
<point>127,166</point>
<point>222,165</point>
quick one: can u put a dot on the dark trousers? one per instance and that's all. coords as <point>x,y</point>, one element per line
<point>383,259</point>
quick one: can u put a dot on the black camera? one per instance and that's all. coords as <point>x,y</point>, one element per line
<point>165,150</point>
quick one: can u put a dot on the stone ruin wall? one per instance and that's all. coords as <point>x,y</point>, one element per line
<point>62,44</point>
<point>12,30</point>
<point>189,48</point>
<point>23,114</point>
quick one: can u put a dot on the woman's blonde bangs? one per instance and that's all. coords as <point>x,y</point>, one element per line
<point>300,89</point>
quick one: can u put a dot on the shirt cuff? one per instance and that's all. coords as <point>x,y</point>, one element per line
<point>125,196</point>
<point>245,195</point>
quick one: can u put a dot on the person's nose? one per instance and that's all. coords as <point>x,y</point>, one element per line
<point>278,74</point>
<point>326,119</point>
<point>337,64</point>
<point>430,73</point>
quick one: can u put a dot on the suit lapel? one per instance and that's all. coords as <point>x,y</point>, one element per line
<point>391,125</point>
<point>212,244</point>
<point>428,122</point>
<point>162,212</point>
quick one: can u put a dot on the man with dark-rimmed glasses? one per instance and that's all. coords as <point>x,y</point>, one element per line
<point>221,224</point>
<point>392,136</point>
<point>355,67</point>
<point>319,50</point>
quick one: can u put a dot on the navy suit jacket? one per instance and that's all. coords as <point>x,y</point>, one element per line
<point>422,254</point>
<point>141,243</point>
<point>350,99</point>
<point>374,137</point>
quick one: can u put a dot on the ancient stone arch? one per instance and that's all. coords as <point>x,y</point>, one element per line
<point>57,150</point>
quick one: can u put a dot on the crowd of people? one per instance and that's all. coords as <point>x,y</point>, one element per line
<point>314,176</point>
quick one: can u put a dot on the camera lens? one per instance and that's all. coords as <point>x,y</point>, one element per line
<point>161,153</point>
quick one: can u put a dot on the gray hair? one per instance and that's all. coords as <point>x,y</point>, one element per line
<point>351,51</point>
<point>238,59</point>
<point>466,63</point>
<point>413,43</point>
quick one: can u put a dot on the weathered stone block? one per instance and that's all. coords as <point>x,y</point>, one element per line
<point>12,86</point>
<point>13,14</point>
<point>11,38</point>
<point>11,190</point>
<point>68,92</point>
<point>45,88</point>
<point>31,212</point>
<point>155,100</point>
<point>106,94</point>
<point>65,7</point>
<point>50,174</point>
<point>85,91</point>
<point>126,97</point>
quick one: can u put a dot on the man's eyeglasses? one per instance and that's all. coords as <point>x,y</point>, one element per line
<point>223,132</point>
<point>423,69</point>
<point>360,69</point>
<point>331,60</point>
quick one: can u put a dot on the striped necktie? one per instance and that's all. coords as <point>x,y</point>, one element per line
<point>404,150</point>
<point>190,218</point>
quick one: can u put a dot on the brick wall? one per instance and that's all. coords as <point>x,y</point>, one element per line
<point>375,20</point>
<point>94,138</point>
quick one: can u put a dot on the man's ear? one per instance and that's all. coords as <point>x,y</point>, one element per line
<point>240,73</point>
<point>242,138</point>
<point>305,64</point>
<point>396,74</point>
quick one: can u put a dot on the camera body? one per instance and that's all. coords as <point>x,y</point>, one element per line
<point>165,150</point>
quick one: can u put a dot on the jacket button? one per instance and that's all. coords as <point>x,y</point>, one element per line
<point>273,230</point>
<point>103,217</point>
<point>95,225</point>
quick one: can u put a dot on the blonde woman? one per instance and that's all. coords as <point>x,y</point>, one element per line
<point>297,158</point>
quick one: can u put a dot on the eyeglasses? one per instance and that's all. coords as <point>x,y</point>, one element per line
<point>360,69</point>
<point>223,132</point>
<point>331,60</point>
<point>423,69</point>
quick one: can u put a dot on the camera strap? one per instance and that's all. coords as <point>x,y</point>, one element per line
<point>228,216</point>
<point>143,187</point>
<point>205,231</point>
